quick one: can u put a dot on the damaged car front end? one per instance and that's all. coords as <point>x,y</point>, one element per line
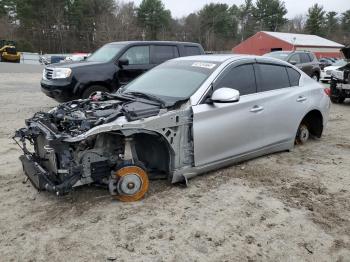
<point>340,80</point>
<point>119,140</point>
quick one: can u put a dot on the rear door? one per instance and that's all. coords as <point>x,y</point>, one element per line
<point>306,63</point>
<point>190,50</point>
<point>162,53</point>
<point>224,130</point>
<point>283,100</point>
<point>139,62</point>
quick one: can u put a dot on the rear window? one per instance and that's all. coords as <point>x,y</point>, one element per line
<point>312,57</point>
<point>271,77</point>
<point>162,53</point>
<point>294,76</point>
<point>192,50</point>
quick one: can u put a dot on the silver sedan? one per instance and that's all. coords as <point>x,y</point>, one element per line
<point>182,118</point>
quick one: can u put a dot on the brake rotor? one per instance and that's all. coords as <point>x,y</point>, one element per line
<point>303,134</point>
<point>131,183</point>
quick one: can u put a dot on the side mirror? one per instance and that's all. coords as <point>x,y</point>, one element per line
<point>123,62</point>
<point>293,62</point>
<point>225,95</point>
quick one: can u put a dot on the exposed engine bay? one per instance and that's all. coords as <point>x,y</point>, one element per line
<point>111,140</point>
<point>340,80</point>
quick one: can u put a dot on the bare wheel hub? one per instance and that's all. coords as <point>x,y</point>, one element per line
<point>303,134</point>
<point>129,183</point>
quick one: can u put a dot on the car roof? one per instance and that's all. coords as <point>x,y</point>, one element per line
<point>154,42</point>
<point>215,58</point>
<point>222,58</point>
<point>290,52</point>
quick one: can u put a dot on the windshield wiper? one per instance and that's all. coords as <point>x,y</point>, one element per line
<point>147,96</point>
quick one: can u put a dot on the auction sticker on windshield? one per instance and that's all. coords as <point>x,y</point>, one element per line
<point>204,65</point>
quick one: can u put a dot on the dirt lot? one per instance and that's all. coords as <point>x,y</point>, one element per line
<point>291,206</point>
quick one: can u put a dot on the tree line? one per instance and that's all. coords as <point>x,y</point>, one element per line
<point>66,26</point>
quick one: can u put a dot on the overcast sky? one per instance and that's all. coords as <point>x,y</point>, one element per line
<point>181,8</point>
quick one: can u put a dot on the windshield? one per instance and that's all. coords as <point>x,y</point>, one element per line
<point>278,55</point>
<point>172,81</point>
<point>340,63</point>
<point>105,53</point>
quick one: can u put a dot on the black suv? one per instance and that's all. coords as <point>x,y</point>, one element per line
<point>304,60</point>
<point>111,66</point>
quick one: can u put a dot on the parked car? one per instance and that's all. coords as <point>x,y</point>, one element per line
<point>76,57</point>
<point>324,62</point>
<point>110,67</point>
<point>327,71</point>
<point>186,116</point>
<point>305,61</point>
<point>340,80</point>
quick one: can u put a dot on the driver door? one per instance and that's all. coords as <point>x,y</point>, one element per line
<point>139,63</point>
<point>224,130</point>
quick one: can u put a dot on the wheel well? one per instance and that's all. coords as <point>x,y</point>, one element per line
<point>314,121</point>
<point>153,151</point>
<point>104,84</point>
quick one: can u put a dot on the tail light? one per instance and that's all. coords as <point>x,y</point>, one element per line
<point>327,90</point>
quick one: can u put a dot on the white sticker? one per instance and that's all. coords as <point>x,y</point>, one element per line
<point>204,65</point>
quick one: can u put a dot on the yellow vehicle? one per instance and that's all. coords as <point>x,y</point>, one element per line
<point>8,52</point>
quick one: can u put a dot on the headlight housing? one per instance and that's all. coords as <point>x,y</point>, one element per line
<point>61,73</point>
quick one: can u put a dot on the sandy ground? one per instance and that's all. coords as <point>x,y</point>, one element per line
<point>291,206</point>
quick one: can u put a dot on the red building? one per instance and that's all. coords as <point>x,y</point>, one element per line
<point>264,42</point>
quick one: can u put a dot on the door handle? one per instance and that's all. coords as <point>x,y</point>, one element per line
<point>301,99</point>
<point>256,109</point>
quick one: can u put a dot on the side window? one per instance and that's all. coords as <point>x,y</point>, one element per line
<point>162,53</point>
<point>294,59</point>
<point>294,76</point>
<point>192,50</point>
<point>137,55</point>
<point>304,58</point>
<point>241,78</point>
<point>271,77</point>
<point>312,57</point>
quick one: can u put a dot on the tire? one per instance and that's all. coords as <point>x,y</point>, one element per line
<point>337,99</point>
<point>92,89</point>
<point>315,77</point>
<point>303,134</point>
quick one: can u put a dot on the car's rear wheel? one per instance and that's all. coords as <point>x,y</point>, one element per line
<point>93,89</point>
<point>303,134</point>
<point>315,77</point>
<point>337,99</point>
<point>129,183</point>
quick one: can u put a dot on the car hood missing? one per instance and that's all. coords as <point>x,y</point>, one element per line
<point>77,117</point>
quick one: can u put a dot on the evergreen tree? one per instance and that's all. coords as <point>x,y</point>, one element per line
<point>153,17</point>
<point>269,14</point>
<point>315,23</point>
<point>332,24</point>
